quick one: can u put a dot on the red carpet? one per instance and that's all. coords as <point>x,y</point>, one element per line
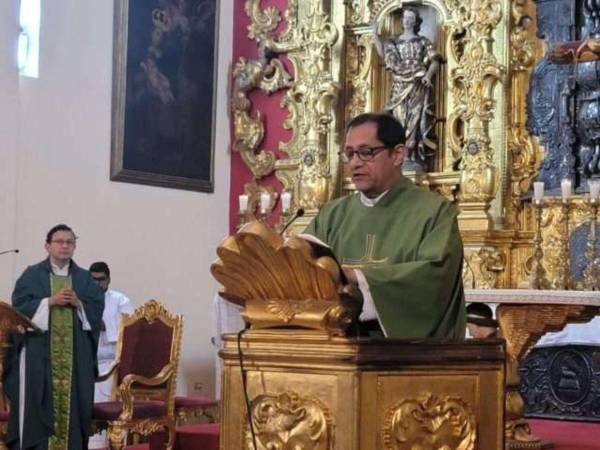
<point>203,436</point>
<point>564,435</point>
<point>568,435</point>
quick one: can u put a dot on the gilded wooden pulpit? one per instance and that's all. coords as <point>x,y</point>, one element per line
<point>297,379</point>
<point>11,321</point>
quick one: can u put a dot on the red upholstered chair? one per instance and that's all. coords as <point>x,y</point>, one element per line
<point>144,376</point>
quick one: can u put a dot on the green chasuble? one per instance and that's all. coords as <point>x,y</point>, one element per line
<point>60,362</point>
<point>409,249</point>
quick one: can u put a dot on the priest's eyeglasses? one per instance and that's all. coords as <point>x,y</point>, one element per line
<point>60,242</point>
<point>365,154</point>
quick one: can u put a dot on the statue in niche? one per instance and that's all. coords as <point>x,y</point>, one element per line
<point>413,62</point>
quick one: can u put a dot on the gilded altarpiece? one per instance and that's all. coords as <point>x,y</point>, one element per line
<point>485,161</point>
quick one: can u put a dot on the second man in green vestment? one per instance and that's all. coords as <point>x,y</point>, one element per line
<point>50,373</point>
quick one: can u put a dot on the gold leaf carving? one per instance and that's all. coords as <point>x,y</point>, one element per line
<point>288,421</point>
<point>472,80</point>
<point>262,22</point>
<point>281,282</point>
<point>482,268</point>
<point>286,310</point>
<point>430,423</point>
<point>359,57</point>
<point>268,76</point>
<point>522,327</point>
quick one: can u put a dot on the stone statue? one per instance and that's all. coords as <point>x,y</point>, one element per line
<point>413,61</point>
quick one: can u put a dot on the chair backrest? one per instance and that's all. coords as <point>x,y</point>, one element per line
<point>149,339</point>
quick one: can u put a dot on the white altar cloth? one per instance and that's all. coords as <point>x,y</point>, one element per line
<point>573,333</point>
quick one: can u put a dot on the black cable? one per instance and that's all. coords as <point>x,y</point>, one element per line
<point>245,387</point>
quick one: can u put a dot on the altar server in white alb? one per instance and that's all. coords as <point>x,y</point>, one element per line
<point>116,304</point>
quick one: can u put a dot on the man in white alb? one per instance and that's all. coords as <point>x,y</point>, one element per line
<point>115,305</point>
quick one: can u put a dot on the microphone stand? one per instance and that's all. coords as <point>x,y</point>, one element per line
<point>14,250</point>
<point>299,213</point>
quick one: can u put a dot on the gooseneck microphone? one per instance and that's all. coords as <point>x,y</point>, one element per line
<point>14,250</point>
<point>299,213</point>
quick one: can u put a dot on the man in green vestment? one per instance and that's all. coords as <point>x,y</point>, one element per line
<point>49,374</point>
<point>398,243</point>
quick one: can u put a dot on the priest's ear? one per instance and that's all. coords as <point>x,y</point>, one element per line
<point>399,151</point>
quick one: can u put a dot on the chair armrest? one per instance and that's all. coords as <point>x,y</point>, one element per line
<point>125,388</point>
<point>104,376</point>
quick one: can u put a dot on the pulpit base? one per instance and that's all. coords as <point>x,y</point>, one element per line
<point>330,393</point>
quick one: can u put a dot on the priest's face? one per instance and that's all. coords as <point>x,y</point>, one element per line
<point>61,247</point>
<point>382,171</point>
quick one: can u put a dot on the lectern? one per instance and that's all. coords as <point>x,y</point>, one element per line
<point>297,379</point>
<point>11,321</point>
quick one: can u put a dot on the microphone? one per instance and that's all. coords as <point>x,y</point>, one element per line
<point>14,250</point>
<point>299,213</point>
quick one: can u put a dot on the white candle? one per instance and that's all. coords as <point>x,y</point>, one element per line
<point>265,200</point>
<point>594,188</point>
<point>538,190</point>
<point>566,189</point>
<point>243,203</point>
<point>286,201</point>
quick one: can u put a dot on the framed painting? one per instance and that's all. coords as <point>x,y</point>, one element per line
<point>163,105</point>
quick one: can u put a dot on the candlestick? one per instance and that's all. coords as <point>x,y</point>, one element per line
<point>286,201</point>
<point>563,280</point>
<point>594,186</point>
<point>538,191</point>
<point>243,199</point>
<point>538,273</point>
<point>265,201</point>
<point>590,273</point>
<point>566,189</point>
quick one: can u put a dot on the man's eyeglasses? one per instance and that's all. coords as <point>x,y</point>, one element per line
<point>365,154</point>
<point>70,242</point>
<point>100,278</point>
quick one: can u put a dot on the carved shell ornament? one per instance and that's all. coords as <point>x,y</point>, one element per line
<point>282,282</point>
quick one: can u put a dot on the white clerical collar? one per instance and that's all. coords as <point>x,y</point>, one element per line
<point>370,202</point>
<point>63,272</point>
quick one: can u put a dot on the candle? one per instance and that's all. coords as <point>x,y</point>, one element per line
<point>565,188</point>
<point>594,188</point>
<point>538,190</point>
<point>243,203</point>
<point>286,201</point>
<point>265,201</point>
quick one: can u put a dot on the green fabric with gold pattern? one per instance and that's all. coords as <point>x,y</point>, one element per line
<point>409,249</point>
<point>61,349</point>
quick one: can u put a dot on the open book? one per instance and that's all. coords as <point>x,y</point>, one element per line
<point>320,249</point>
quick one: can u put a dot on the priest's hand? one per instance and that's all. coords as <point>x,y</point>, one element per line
<point>61,298</point>
<point>350,275</point>
<point>64,297</point>
<point>73,299</point>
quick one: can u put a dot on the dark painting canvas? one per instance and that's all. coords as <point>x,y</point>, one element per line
<point>163,107</point>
